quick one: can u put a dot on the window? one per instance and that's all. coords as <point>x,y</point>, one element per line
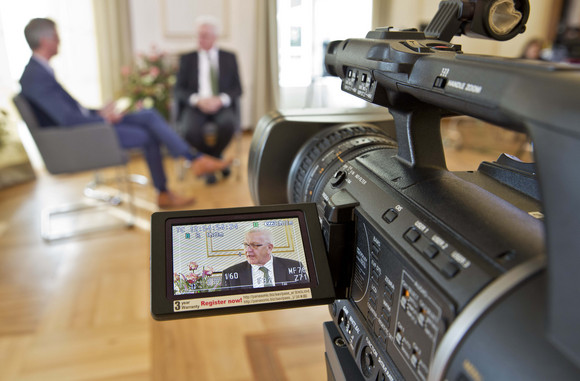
<point>76,65</point>
<point>305,27</point>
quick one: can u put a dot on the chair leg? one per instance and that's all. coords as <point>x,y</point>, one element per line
<point>98,201</point>
<point>237,162</point>
<point>47,230</point>
<point>129,180</point>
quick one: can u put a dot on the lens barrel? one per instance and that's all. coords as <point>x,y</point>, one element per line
<point>322,155</point>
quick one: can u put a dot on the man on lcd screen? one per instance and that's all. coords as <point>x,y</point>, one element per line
<point>261,268</point>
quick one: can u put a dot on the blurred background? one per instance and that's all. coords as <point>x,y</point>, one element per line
<point>78,309</point>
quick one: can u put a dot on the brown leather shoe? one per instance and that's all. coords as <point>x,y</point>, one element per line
<point>169,200</point>
<point>205,164</point>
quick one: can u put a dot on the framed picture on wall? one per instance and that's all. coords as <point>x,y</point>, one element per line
<point>178,16</point>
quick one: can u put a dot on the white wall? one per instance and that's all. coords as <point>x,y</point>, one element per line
<point>148,31</point>
<point>76,63</point>
<point>7,86</point>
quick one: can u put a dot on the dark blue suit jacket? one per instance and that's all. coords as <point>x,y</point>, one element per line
<point>52,104</point>
<point>286,271</point>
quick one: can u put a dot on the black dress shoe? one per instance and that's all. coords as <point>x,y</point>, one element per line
<point>210,179</point>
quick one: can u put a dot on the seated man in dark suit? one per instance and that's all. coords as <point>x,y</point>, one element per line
<point>207,91</point>
<point>261,268</point>
<point>145,129</point>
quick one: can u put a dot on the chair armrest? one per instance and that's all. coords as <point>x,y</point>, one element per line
<point>79,148</point>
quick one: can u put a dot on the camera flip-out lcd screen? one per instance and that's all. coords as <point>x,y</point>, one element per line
<point>236,260</point>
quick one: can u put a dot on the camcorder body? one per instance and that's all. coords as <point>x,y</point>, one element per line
<point>430,274</point>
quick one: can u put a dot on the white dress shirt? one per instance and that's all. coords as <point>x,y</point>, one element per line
<point>207,59</point>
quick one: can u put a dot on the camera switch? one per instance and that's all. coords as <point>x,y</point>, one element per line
<point>386,318</point>
<point>417,46</point>
<point>445,47</point>
<point>431,251</point>
<point>421,317</point>
<point>338,178</point>
<point>405,295</point>
<point>367,361</point>
<point>440,82</point>
<point>412,235</point>
<point>399,337</point>
<point>390,215</point>
<point>414,360</point>
<point>388,295</point>
<point>450,269</point>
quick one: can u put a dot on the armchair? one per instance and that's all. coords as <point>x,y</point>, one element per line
<point>74,149</point>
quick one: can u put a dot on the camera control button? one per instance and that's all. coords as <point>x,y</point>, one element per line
<point>388,295</point>
<point>414,360</point>
<point>450,269</point>
<point>445,47</point>
<point>399,337</point>
<point>390,215</point>
<point>412,235</point>
<point>421,317</point>
<point>367,361</point>
<point>431,251</point>
<point>417,46</point>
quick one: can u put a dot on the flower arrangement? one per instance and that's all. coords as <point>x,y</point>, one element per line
<point>193,281</point>
<point>149,83</point>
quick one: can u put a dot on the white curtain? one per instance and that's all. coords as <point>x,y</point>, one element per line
<point>381,11</point>
<point>267,90</point>
<point>114,44</point>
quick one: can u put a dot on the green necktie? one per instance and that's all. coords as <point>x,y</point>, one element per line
<point>267,280</point>
<point>213,73</point>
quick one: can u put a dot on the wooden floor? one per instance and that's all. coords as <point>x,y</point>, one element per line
<point>78,309</point>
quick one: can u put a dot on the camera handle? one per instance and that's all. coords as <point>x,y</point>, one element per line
<point>495,19</point>
<point>419,136</point>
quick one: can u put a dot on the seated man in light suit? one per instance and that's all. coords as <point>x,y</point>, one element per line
<point>261,268</point>
<point>207,91</point>
<point>145,129</point>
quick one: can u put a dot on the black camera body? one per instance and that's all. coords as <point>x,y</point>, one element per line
<point>435,275</point>
<point>409,249</point>
<point>438,275</point>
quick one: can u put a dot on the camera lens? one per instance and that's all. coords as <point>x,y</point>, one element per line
<point>320,158</point>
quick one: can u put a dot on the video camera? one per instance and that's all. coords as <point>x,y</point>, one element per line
<point>432,274</point>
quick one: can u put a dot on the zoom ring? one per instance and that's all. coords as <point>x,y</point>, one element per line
<point>327,149</point>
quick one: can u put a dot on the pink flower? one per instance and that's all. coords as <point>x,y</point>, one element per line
<point>125,71</point>
<point>192,278</point>
<point>176,277</point>
<point>155,55</point>
<point>193,266</point>
<point>154,71</point>
<point>208,271</point>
